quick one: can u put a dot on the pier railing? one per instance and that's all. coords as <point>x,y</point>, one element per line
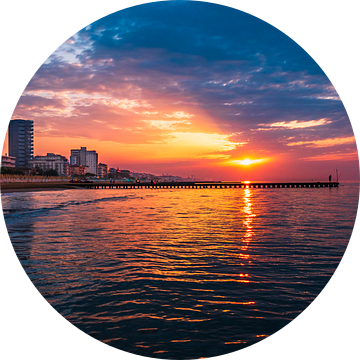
<point>208,185</point>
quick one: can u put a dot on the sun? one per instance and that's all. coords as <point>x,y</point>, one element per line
<point>245,162</point>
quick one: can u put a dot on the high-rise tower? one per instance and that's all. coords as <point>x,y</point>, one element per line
<point>21,141</point>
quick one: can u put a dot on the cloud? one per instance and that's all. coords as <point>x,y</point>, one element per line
<point>347,156</point>
<point>166,124</point>
<point>37,105</point>
<point>184,74</point>
<point>179,115</point>
<point>295,124</point>
<point>325,142</point>
<point>205,142</point>
<point>214,156</point>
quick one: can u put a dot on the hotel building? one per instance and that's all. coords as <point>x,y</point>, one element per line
<point>51,161</point>
<point>21,143</point>
<point>86,158</point>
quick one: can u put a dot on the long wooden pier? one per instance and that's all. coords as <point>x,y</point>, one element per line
<point>206,185</point>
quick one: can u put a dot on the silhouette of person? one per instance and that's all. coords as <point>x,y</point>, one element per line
<point>330,178</point>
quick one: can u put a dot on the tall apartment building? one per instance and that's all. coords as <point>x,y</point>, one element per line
<point>78,157</point>
<point>51,161</point>
<point>86,158</point>
<point>21,143</point>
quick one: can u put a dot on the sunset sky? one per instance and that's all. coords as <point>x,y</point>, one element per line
<point>190,88</point>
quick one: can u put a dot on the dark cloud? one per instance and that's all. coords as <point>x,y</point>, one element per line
<point>210,31</point>
<point>40,103</point>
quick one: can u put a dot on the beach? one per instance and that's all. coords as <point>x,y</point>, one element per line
<point>35,186</point>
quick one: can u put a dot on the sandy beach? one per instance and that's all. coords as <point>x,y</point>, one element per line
<point>35,186</point>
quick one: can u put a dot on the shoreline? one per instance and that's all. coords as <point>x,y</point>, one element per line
<point>41,186</point>
<point>8,191</point>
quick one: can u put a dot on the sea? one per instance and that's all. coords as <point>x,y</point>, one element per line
<point>181,273</point>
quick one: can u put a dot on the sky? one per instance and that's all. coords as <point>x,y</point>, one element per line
<point>191,88</point>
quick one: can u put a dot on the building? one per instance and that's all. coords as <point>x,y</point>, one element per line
<point>78,170</point>
<point>102,171</point>
<point>92,161</point>
<point>169,178</point>
<point>119,174</point>
<point>21,143</point>
<point>78,157</point>
<point>51,161</point>
<point>112,173</point>
<point>8,161</point>
<point>86,158</point>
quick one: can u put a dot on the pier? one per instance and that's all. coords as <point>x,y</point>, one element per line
<point>207,185</point>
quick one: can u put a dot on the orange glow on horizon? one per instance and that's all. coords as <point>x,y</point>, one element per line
<point>247,162</point>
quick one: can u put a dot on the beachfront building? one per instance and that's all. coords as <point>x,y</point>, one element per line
<point>51,161</point>
<point>21,143</point>
<point>92,161</point>
<point>102,171</point>
<point>86,158</point>
<point>114,173</point>
<point>123,175</point>
<point>169,178</point>
<point>143,177</point>
<point>78,170</point>
<point>8,161</point>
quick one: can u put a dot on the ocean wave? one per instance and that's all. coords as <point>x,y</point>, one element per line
<point>20,211</point>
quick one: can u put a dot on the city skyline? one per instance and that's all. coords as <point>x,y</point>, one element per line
<point>140,90</point>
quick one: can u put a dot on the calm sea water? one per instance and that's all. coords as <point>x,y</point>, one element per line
<point>183,273</point>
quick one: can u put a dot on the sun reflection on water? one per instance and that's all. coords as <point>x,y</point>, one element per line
<point>248,212</point>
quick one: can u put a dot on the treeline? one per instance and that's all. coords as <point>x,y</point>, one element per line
<point>11,171</point>
<point>48,172</point>
<point>35,171</point>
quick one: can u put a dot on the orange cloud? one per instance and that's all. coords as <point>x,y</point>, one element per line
<point>295,124</point>
<point>325,142</point>
<point>353,156</point>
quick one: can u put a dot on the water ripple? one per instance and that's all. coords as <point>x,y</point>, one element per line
<point>181,274</point>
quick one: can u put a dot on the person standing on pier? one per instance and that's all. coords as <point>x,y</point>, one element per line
<point>330,178</point>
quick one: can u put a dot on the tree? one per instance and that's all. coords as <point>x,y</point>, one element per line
<point>11,171</point>
<point>51,172</point>
<point>37,171</point>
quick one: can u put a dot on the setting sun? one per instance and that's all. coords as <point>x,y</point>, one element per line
<point>247,162</point>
